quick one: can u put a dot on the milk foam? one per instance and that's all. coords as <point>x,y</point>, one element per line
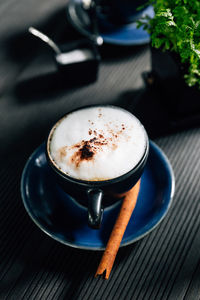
<point>97,143</point>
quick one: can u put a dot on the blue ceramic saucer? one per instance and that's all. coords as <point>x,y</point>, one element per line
<point>123,35</point>
<point>59,216</point>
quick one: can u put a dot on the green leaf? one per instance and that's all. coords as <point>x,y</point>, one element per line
<point>176,27</point>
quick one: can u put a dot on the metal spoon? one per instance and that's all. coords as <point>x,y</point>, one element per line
<point>45,39</point>
<point>91,7</point>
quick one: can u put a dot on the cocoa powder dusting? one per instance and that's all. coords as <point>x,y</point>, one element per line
<point>62,152</point>
<point>91,140</point>
<point>86,151</point>
<point>123,127</point>
<point>114,146</point>
<point>90,131</point>
<point>76,146</point>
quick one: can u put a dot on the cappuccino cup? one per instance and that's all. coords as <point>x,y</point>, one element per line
<point>97,154</point>
<point>121,11</point>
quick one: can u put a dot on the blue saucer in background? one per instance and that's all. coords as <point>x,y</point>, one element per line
<point>124,35</point>
<point>59,216</point>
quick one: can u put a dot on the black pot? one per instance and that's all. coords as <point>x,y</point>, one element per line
<point>180,100</point>
<point>97,194</point>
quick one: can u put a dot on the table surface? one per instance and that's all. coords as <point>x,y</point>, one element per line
<point>163,265</point>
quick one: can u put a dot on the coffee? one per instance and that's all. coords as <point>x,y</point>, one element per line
<point>97,143</point>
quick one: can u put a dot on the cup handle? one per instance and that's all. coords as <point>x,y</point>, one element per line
<point>95,211</point>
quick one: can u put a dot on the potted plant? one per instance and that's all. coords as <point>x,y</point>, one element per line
<point>175,29</point>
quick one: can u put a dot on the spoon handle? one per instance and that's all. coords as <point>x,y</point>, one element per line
<point>45,39</point>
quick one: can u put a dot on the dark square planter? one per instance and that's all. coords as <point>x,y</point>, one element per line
<point>180,100</point>
<point>166,104</point>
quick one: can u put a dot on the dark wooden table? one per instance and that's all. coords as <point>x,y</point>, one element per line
<point>163,265</point>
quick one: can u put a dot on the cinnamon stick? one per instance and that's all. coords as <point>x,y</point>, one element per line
<point>117,233</point>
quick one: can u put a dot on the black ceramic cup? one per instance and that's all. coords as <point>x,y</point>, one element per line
<point>96,195</point>
<point>121,11</point>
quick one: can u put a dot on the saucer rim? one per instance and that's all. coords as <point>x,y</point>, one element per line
<point>106,38</point>
<point>123,244</point>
